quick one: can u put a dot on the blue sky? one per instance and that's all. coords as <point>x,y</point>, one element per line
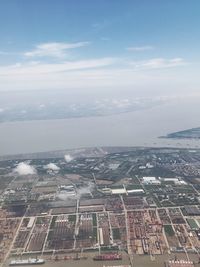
<point>65,44</point>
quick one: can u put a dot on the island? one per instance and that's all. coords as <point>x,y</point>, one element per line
<point>193,133</point>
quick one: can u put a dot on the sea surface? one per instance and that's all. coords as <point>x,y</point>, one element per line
<point>139,128</point>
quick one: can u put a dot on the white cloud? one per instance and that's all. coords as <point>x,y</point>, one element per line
<point>95,75</point>
<point>56,50</point>
<point>24,168</point>
<point>68,158</point>
<point>42,68</point>
<point>41,106</point>
<point>30,70</point>
<point>140,48</point>
<point>158,63</point>
<point>52,166</point>
<point>121,103</point>
<point>85,190</point>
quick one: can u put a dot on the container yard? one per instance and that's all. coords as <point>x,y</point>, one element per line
<point>133,202</point>
<point>107,257</point>
<point>86,236</point>
<point>176,216</point>
<point>8,230</point>
<point>145,230</point>
<point>39,233</point>
<point>119,233</point>
<point>61,232</point>
<point>114,204</point>
<point>104,229</point>
<point>164,216</point>
<point>149,231</point>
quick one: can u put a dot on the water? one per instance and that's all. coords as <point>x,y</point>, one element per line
<point>137,260</point>
<point>139,128</point>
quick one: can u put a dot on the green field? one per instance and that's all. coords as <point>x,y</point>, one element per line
<point>192,223</point>
<point>94,219</point>
<point>169,230</point>
<point>116,233</point>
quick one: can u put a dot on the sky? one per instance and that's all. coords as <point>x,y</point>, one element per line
<point>139,47</point>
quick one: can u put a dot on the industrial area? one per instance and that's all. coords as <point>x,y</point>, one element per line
<point>127,208</point>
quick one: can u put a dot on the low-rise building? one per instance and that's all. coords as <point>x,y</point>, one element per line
<point>150,180</point>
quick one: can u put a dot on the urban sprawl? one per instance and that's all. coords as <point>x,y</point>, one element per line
<point>111,202</point>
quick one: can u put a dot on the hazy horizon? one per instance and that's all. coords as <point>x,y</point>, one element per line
<point>83,60</point>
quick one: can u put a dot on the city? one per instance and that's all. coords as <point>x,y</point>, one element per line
<point>112,206</point>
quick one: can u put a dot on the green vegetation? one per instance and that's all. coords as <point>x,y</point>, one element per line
<point>91,249</point>
<point>50,235</point>
<point>192,223</point>
<point>169,230</point>
<point>157,202</point>
<point>72,218</point>
<point>40,220</point>
<point>184,189</point>
<point>152,187</point>
<point>116,233</point>
<point>94,219</point>
<point>94,234</point>
<point>53,222</point>
<point>116,186</point>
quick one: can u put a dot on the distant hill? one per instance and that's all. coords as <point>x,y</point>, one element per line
<point>193,133</point>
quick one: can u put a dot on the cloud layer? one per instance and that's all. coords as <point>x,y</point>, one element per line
<point>159,63</point>
<point>56,49</point>
<point>46,67</point>
<point>140,48</point>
